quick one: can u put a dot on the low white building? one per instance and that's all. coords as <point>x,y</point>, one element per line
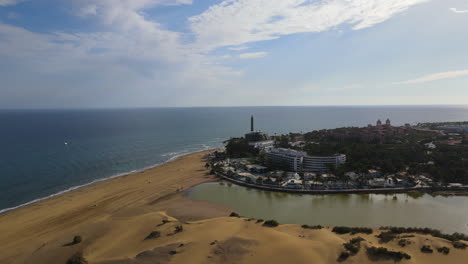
<point>245,175</point>
<point>381,182</point>
<point>293,176</point>
<point>293,183</point>
<point>264,145</point>
<point>352,175</point>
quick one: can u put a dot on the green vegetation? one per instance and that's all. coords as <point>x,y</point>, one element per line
<point>436,125</point>
<point>386,237</point>
<point>354,245</point>
<point>312,227</point>
<point>178,229</point>
<point>234,214</point>
<point>459,245</point>
<point>353,230</point>
<point>77,258</point>
<point>425,231</point>
<point>382,253</point>
<point>392,153</point>
<point>153,235</point>
<point>426,249</point>
<point>239,148</point>
<point>271,223</point>
<point>343,256</point>
<point>404,242</point>
<point>443,250</point>
<point>77,240</point>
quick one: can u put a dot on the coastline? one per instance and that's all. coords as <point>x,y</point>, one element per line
<point>115,217</point>
<point>91,210</point>
<point>73,188</point>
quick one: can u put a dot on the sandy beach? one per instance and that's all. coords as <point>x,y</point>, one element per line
<point>114,217</point>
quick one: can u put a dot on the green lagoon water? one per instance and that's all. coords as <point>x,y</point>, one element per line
<point>449,214</point>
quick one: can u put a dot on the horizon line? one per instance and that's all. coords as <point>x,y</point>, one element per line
<point>228,106</point>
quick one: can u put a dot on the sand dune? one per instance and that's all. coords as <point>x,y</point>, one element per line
<point>115,217</point>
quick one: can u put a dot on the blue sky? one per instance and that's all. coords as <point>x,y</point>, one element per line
<point>145,53</point>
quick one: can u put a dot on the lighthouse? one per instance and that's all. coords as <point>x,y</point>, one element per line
<point>251,123</point>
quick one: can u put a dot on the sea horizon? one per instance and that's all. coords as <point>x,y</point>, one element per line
<point>50,151</point>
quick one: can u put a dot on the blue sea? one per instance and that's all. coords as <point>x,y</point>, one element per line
<point>46,152</point>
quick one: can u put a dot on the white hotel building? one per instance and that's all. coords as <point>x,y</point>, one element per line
<point>299,161</point>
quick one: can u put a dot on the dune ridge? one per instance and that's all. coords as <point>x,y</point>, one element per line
<point>115,217</point>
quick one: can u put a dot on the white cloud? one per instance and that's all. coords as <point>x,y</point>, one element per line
<point>87,10</point>
<point>131,54</point>
<point>134,54</point>
<point>238,48</point>
<point>458,11</point>
<point>9,2</point>
<point>435,77</point>
<point>236,22</point>
<point>253,55</point>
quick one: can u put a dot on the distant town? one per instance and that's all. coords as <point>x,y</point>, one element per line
<point>379,157</point>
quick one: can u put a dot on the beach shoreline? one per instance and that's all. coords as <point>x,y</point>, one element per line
<point>115,217</point>
<point>151,191</point>
<point>77,187</point>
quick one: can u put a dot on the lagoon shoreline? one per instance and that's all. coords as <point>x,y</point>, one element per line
<point>115,217</point>
<point>463,191</point>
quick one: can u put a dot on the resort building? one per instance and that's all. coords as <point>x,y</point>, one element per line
<point>299,161</point>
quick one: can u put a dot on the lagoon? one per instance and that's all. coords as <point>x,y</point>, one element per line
<point>447,213</point>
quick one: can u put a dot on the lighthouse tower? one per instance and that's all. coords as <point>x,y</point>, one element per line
<point>251,123</point>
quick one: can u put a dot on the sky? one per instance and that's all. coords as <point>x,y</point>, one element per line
<point>182,53</point>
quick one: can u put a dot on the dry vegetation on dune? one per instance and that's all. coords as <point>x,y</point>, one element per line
<point>144,218</point>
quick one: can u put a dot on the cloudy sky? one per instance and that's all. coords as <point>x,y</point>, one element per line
<point>139,53</point>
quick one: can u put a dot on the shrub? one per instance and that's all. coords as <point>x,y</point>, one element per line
<point>234,214</point>
<point>343,256</point>
<point>386,237</point>
<point>179,229</point>
<point>444,250</point>
<point>459,245</point>
<point>356,240</point>
<point>354,245</point>
<point>312,227</point>
<point>426,231</point>
<point>172,252</point>
<point>352,248</point>
<point>404,242</point>
<point>153,235</point>
<point>383,253</point>
<point>77,240</point>
<point>259,220</point>
<point>271,223</point>
<point>426,249</point>
<point>353,230</point>
<point>77,258</point>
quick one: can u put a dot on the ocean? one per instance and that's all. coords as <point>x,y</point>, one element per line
<point>47,152</point>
